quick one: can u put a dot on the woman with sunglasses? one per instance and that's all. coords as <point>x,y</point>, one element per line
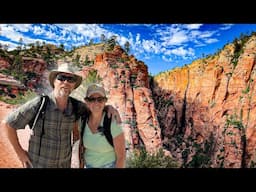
<point>98,152</point>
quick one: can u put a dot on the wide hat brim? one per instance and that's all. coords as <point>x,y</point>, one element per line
<point>54,73</point>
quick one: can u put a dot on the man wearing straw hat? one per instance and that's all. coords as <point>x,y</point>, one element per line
<point>50,144</point>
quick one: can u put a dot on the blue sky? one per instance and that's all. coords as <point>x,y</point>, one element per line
<point>161,47</point>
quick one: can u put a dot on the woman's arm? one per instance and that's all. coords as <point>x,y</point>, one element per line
<point>119,146</point>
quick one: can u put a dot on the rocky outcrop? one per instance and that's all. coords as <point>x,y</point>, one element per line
<point>207,109</point>
<point>10,86</point>
<point>32,68</point>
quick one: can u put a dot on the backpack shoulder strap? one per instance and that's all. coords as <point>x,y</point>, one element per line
<point>75,103</point>
<point>107,129</point>
<point>84,119</point>
<point>81,150</point>
<point>106,132</point>
<point>40,110</point>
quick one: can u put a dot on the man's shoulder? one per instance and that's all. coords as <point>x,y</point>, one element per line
<point>79,105</point>
<point>76,101</point>
<point>32,102</point>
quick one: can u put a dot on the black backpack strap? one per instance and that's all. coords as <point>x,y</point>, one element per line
<point>107,129</point>
<point>106,132</point>
<point>84,119</point>
<point>40,111</point>
<point>75,107</point>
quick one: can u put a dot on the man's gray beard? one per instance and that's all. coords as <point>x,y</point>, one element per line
<point>63,93</point>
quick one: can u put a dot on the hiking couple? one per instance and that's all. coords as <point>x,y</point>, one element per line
<point>54,132</point>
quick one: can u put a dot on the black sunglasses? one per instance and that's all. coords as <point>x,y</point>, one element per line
<point>70,79</point>
<point>98,99</point>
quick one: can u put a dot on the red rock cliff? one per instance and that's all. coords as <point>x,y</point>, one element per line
<point>207,109</point>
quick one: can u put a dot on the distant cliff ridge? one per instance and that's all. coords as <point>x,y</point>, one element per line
<point>207,110</point>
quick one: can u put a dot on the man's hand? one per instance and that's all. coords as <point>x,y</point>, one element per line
<point>112,111</point>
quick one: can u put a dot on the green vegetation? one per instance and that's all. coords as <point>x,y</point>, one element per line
<point>143,159</point>
<point>239,45</point>
<point>233,120</point>
<point>164,102</point>
<point>246,91</point>
<point>92,77</point>
<point>87,62</point>
<point>202,157</point>
<point>19,99</point>
<point>127,46</point>
<point>111,43</point>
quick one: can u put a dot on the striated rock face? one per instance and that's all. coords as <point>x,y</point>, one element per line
<point>4,63</point>
<point>207,109</point>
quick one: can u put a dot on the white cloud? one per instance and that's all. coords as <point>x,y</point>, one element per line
<point>206,34</point>
<point>177,35</point>
<point>90,31</point>
<point>177,38</point>
<point>51,35</point>
<point>168,59</point>
<point>10,32</point>
<point>122,40</point>
<point>195,33</point>
<point>38,30</point>
<point>226,26</point>
<point>150,46</point>
<point>22,27</point>
<point>137,41</point>
<point>180,51</point>
<point>211,40</point>
<point>193,26</point>
<point>172,35</point>
<point>10,45</point>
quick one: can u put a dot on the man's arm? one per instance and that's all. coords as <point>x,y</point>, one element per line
<point>75,132</point>
<point>112,111</point>
<point>12,136</point>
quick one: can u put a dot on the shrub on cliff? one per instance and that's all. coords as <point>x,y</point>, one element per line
<point>143,159</point>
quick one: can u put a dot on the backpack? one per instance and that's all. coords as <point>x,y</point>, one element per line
<point>40,113</point>
<point>44,99</point>
<point>106,130</point>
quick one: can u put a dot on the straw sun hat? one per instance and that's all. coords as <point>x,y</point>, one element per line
<point>64,68</point>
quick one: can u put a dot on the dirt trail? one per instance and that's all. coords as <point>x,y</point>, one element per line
<point>8,157</point>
